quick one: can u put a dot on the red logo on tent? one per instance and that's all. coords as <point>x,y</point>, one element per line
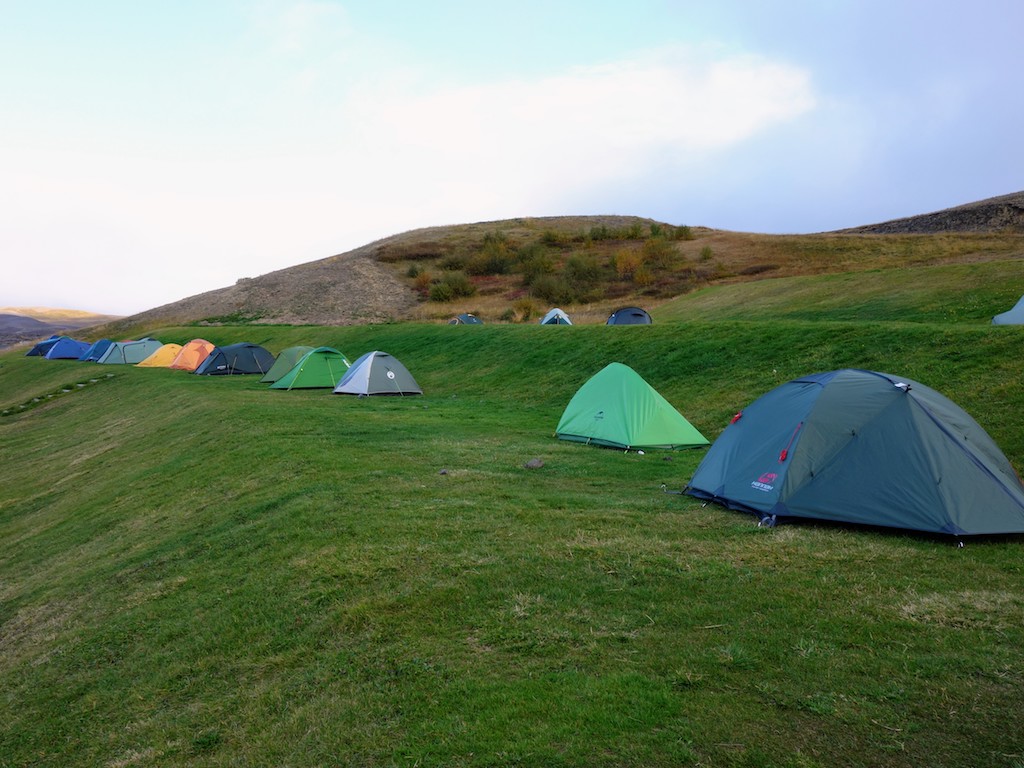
<point>765,482</point>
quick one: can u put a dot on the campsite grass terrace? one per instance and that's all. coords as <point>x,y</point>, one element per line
<point>203,571</point>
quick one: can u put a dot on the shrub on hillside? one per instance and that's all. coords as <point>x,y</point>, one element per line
<point>494,258</point>
<point>659,253</point>
<point>452,285</point>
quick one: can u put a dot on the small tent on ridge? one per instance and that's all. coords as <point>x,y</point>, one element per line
<point>555,317</point>
<point>285,362</point>
<point>162,358</point>
<point>129,352</point>
<point>236,359</point>
<point>617,408</point>
<point>1013,316</point>
<point>466,319</point>
<point>66,348</point>
<point>320,368</point>
<point>192,355</point>
<point>863,447</point>
<point>629,316</point>
<point>377,373</point>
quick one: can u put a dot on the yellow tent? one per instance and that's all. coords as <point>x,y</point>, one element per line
<point>192,355</point>
<point>162,358</point>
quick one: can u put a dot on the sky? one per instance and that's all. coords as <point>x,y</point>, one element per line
<point>151,151</point>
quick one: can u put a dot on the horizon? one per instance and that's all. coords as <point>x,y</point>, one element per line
<point>155,154</point>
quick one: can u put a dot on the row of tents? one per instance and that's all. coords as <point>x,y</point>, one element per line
<point>299,367</point>
<point>847,446</point>
<point>556,316</point>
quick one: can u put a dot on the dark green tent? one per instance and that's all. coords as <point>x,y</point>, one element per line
<point>863,447</point>
<point>617,408</point>
<point>320,368</point>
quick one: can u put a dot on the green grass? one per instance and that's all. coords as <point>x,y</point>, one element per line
<point>937,294</point>
<point>204,572</point>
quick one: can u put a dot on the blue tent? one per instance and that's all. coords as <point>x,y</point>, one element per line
<point>43,346</point>
<point>66,348</point>
<point>95,352</point>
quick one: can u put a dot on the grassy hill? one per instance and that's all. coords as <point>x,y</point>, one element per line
<point>204,572</point>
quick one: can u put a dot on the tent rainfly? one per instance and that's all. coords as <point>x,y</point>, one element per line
<point>162,358</point>
<point>617,408</point>
<point>66,348</point>
<point>629,316</point>
<point>863,447</point>
<point>285,361</point>
<point>1014,316</point>
<point>44,346</point>
<point>465,319</point>
<point>236,359</point>
<point>95,352</point>
<point>320,368</point>
<point>377,373</point>
<point>129,352</point>
<point>555,317</point>
<point>192,355</point>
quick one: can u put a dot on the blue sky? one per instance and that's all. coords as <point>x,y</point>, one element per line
<point>150,151</point>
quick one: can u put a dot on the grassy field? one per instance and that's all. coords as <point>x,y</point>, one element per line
<point>204,572</point>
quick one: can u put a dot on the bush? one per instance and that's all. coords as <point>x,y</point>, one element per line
<point>659,253</point>
<point>626,262</point>
<point>494,259</point>
<point>452,285</point>
<point>453,262</point>
<point>582,274</point>
<point>534,261</point>
<point>682,233</point>
<point>705,253</point>
<point>552,289</point>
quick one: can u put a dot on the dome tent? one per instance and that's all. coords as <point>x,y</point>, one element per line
<point>192,355</point>
<point>617,408</point>
<point>129,352</point>
<point>863,447</point>
<point>465,319</point>
<point>162,358</point>
<point>285,362</point>
<point>377,373</point>
<point>555,317</point>
<point>236,359</point>
<point>1012,316</point>
<point>320,368</point>
<point>96,351</point>
<point>629,316</point>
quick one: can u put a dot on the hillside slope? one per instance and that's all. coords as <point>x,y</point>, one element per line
<point>513,269</point>
<point>995,214</point>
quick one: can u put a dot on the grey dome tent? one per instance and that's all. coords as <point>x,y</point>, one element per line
<point>129,352</point>
<point>863,447</point>
<point>629,316</point>
<point>236,359</point>
<point>377,373</point>
<point>555,317</point>
<point>1014,316</point>
<point>465,319</point>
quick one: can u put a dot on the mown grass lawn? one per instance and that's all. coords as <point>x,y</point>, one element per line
<point>206,572</point>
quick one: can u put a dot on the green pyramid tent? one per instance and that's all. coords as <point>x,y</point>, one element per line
<point>285,362</point>
<point>617,408</point>
<point>320,368</point>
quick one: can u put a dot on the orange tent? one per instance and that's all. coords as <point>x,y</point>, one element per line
<point>192,355</point>
<point>162,358</point>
